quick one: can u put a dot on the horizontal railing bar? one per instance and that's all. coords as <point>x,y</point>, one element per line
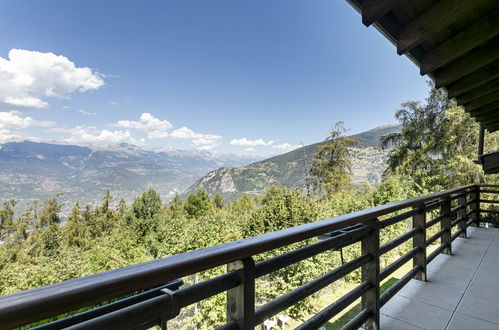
<point>358,320</point>
<point>292,297</point>
<point>435,220</point>
<point>456,221</point>
<point>489,201</point>
<point>457,233</point>
<point>393,220</point>
<point>330,311</point>
<point>101,310</point>
<point>391,291</point>
<point>433,205</point>
<point>43,302</point>
<point>485,185</point>
<point>469,212</point>
<point>206,289</point>
<point>489,191</point>
<point>455,196</point>
<point>144,313</point>
<point>388,270</point>
<point>469,222</point>
<point>399,240</point>
<point>490,211</point>
<point>341,240</point>
<point>433,238</point>
<point>457,208</point>
<point>471,201</point>
<point>436,252</point>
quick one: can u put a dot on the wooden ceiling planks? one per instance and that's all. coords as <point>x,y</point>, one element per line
<point>455,42</point>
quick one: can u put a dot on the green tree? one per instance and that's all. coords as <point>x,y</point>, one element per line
<point>218,201</point>
<point>198,203</point>
<point>144,214</point>
<point>74,231</point>
<point>332,163</point>
<point>176,204</point>
<point>7,218</point>
<point>437,144</point>
<point>50,213</point>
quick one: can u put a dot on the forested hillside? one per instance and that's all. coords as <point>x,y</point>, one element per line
<point>291,170</point>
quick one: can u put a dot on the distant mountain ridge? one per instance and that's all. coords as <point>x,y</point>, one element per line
<point>291,169</point>
<point>32,170</point>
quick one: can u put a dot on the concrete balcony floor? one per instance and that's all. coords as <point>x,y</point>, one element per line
<point>462,291</point>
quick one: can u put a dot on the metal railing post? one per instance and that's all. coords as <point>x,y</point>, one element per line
<point>370,274</point>
<point>461,213</point>
<point>241,299</point>
<point>445,223</point>
<point>419,240</point>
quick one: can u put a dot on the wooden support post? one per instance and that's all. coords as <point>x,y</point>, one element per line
<point>475,206</point>
<point>241,299</point>
<point>461,213</point>
<point>446,223</point>
<point>419,240</point>
<point>370,274</point>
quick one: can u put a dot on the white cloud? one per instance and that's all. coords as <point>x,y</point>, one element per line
<point>12,120</point>
<point>203,141</point>
<point>287,146</point>
<point>250,143</point>
<point>27,77</point>
<point>154,127</point>
<point>88,134</point>
<point>28,102</point>
<point>208,147</point>
<point>86,113</point>
<point>249,149</point>
<point>7,136</point>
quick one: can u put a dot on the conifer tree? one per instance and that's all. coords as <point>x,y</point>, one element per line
<point>332,163</point>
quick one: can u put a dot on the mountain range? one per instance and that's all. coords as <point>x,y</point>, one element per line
<point>291,169</point>
<point>38,171</point>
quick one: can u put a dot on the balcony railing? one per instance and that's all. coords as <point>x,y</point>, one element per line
<point>453,210</point>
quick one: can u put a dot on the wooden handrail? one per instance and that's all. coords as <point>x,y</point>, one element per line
<point>39,303</point>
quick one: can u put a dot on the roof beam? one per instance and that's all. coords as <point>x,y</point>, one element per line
<point>473,80</point>
<point>474,60</point>
<point>437,18</point>
<point>491,127</point>
<point>485,117</point>
<point>477,34</point>
<point>372,10</point>
<point>478,92</point>
<point>489,108</point>
<point>482,101</point>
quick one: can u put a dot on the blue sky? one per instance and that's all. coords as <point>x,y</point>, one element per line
<point>249,77</point>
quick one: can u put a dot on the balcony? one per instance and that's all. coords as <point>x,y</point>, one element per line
<point>450,283</point>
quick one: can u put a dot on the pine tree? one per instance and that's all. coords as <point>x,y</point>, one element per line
<point>7,218</point>
<point>218,201</point>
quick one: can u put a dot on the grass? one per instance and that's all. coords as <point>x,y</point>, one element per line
<point>350,312</point>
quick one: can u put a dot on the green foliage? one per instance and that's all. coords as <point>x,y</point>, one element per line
<point>7,217</point>
<point>437,144</point>
<point>332,163</point>
<point>198,204</point>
